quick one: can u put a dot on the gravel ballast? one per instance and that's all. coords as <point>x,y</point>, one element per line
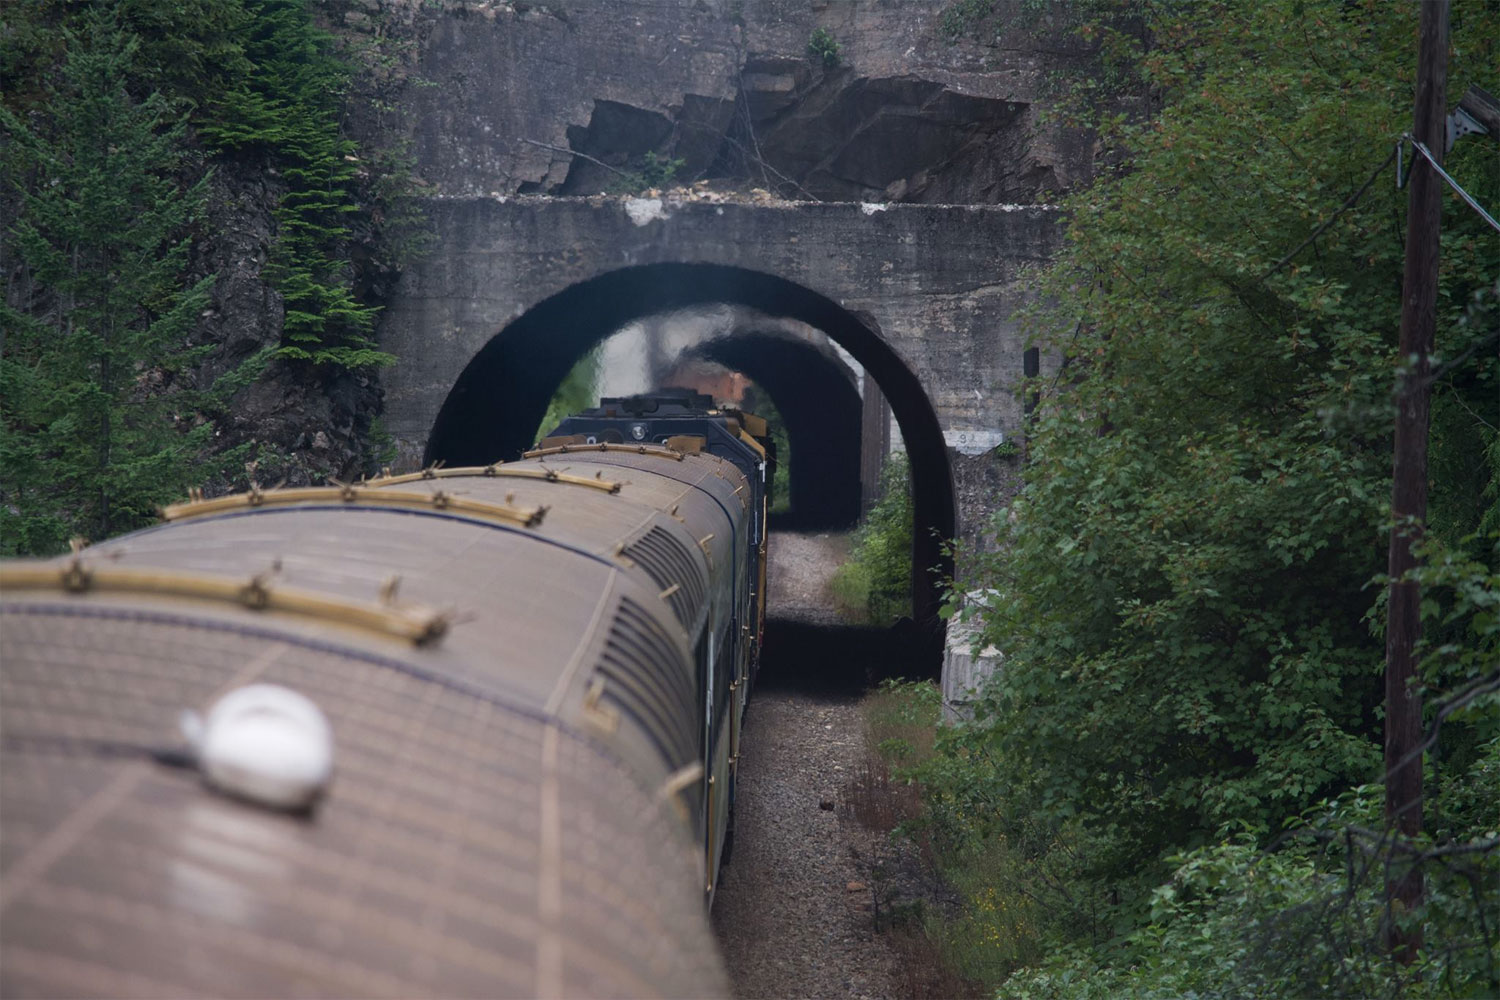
<point>794,912</point>
<point>795,909</point>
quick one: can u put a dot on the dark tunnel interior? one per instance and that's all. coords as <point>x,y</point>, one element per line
<point>821,409</point>
<point>494,407</point>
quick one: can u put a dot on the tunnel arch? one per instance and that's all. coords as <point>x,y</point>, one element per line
<point>820,404</point>
<point>478,424</point>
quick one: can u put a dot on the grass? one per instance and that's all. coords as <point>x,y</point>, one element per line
<point>997,927</point>
<point>900,726</point>
<point>900,730</point>
<point>879,802</point>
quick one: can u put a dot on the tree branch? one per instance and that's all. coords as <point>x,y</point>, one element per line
<point>574,152</point>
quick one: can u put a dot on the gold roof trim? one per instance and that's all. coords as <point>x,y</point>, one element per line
<point>635,449</point>
<point>360,496</point>
<point>499,472</point>
<point>416,624</point>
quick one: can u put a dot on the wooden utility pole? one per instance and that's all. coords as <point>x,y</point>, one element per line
<point>1403,702</point>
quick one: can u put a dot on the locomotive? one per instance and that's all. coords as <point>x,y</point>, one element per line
<point>462,732</point>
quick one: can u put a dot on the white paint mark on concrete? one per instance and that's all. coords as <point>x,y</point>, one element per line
<point>644,210</point>
<point>973,442</point>
<point>871,207</point>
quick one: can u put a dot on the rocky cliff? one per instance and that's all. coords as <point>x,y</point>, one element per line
<point>855,100</point>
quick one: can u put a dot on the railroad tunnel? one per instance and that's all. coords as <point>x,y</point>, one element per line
<point>497,402</point>
<point>822,412</point>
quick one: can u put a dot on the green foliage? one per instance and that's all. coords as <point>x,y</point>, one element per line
<point>821,45</point>
<point>1184,590</point>
<point>577,391</point>
<point>1184,584</point>
<point>658,171</point>
<point>184,48</point>
<point>758,402</point>
<point>261,80</point>
<point>104,413</point>
<point>99,426</point>
<point>1007,891</point>
<point>188,48</point>
<point>1024,881</point>
<point>962,16</point>
<point>1463,449</point>
<point>286,108</point>
<point>382,444</point>
<point>1303,919</point>
<point>904,711</point>
<point>781,486</point>
<point>654,172</point>
<point>875,584</point>
<point>29,42</point>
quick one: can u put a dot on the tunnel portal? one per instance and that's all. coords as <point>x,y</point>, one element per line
<point>500,397</point>
<point>822,411</point>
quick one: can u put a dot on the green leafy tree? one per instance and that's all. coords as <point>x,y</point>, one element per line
<point>1188,594</point>
<point>1170,777</point>
<point>98,424</point>
<point>1184,592</point>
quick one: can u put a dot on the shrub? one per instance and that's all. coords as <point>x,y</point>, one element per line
<point>654,172</point>
<point>823,46</point>
<point>875,584</point>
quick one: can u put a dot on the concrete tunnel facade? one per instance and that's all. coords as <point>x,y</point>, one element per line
<point>937,287</point>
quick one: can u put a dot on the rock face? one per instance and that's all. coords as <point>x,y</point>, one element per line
<point>312,425</point>
<point>569,98</point>
<point>574,97</point>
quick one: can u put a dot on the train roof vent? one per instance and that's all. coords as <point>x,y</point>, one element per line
<point>671,564</point>
<point>649,679</point>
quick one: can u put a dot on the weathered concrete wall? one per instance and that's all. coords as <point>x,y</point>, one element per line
<point>940,282</point>
<point>965,669</point>
<point>496,94</point>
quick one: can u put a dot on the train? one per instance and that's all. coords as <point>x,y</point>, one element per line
<point>458,732</point>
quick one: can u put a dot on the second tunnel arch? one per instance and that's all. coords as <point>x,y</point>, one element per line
<point>495,405</point>
<point>818,398</point>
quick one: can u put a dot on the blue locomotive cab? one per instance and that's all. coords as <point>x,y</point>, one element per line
<point>657,417</point>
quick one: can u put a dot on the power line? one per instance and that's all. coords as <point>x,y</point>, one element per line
<point>1408,137</point>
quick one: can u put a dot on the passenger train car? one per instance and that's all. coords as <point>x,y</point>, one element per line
<point>463,732</point>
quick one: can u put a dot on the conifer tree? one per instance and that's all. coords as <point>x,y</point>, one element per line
<point>96,427</point>
<point>286,107</point>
